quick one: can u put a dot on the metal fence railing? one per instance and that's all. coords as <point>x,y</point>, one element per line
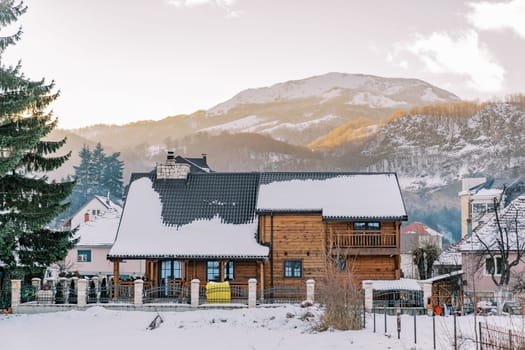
<point>27,293</point>
<point>286,295</point>
<point>122,293</point>
<point>398,298</point>
<point>497,338</point>
<point>170,293</point>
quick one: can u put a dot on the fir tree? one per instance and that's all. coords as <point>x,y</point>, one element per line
<point>82,190</point>
<point>28,201</point>
<point>104,291</point>
<point>97,166</point>
<point>112,179</point>
<point>72,293</point>
<point>59,294</point>
<point>92,294</point>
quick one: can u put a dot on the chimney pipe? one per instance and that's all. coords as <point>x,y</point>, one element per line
<point>204,157</point>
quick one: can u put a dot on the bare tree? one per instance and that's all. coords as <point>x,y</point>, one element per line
<point>424,257</point>
<point>502,244</point>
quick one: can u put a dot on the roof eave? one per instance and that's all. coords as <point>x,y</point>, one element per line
<point>184,256</point>
<point>366,218</point>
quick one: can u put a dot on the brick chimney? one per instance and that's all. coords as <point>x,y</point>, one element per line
<point>172,170</point>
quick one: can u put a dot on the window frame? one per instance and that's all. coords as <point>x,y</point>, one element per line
<point>172,269</point>
<point>229,270</point>
<point>366,225</point>
<point>84,252</point>
<point>213,269</point>
<point>341,263</point>
<point>293,264</point>
<point>497,267</point>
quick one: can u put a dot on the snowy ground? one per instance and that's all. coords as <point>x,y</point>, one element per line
<point>285,327</point>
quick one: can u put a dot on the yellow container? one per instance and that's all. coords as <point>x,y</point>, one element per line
<point>218,293</point>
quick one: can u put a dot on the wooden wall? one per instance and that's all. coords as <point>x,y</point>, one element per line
<point>243,270</point>
<point>307,238</point>
<point>295,237</point>
<point>381,267</point>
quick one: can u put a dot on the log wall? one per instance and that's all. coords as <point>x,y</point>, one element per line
<point>311,240</point>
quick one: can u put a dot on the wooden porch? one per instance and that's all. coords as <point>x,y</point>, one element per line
<point>162,286</point>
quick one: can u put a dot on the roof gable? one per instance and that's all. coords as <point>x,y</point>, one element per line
<point>197,165</point>
<point>512,218</point>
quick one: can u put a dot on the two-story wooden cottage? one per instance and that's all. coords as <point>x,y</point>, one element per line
<point>278,227</point>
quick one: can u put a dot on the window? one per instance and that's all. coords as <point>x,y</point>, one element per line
<point>84,256</point>
<point>293,268</point>
<point>493,263</point>
<point>483,208</point>
<point>213,272</point>
<point>170,269</point>
<point>340,263</point>
<point>363,226</point>
<point>228,271</point>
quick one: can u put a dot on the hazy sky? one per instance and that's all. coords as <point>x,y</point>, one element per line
<point>117,61</point>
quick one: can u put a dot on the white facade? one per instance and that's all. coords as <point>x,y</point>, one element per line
<point>96,206</point>
<point>97,224</point>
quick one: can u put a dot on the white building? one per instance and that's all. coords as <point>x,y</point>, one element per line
<point>477,198</point>
<point>97,224</point>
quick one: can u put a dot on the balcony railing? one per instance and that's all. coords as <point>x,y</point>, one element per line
<point>364,239</point>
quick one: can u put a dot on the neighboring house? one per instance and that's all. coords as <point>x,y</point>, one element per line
<point>280,228</point>
<point>97,223</point>
<point>93,207</point>
<point>416,235</point>
<point>477,264</point>
<point>477,199</point>
<point>449,260</point>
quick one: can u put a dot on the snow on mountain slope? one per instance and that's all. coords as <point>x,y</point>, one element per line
<point>331,85</point>
<point>428,151</point>
<point>375,101</point>
<point>246,124</point>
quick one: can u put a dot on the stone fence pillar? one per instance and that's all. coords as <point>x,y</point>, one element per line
<point>195,283</point>
<point>310,290</point>
<point>252,292</point>
<point>139,288</point>
<point>36,283</point>
<point>368,287</point>
<point>427,295</point>
<point>63,283</point>
<point>16,290</point>
<point>81,291</point>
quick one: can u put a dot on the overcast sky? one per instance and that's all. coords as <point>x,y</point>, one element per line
<point>117,61</point>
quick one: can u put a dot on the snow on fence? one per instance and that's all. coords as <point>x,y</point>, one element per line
<point>80,292</point>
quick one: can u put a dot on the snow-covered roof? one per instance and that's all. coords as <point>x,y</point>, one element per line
<point>487,192</point>
<point>143,232</point>
<point>100,230</point>
<point>400,284</point>
<point>444,276</point>
<point>348,196</point>
<point>108,203</point>
<point>449,257</point>
<point>511,218</point>
<point>419,229</point>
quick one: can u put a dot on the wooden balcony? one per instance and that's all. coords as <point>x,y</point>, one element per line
<point>364,239</point>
